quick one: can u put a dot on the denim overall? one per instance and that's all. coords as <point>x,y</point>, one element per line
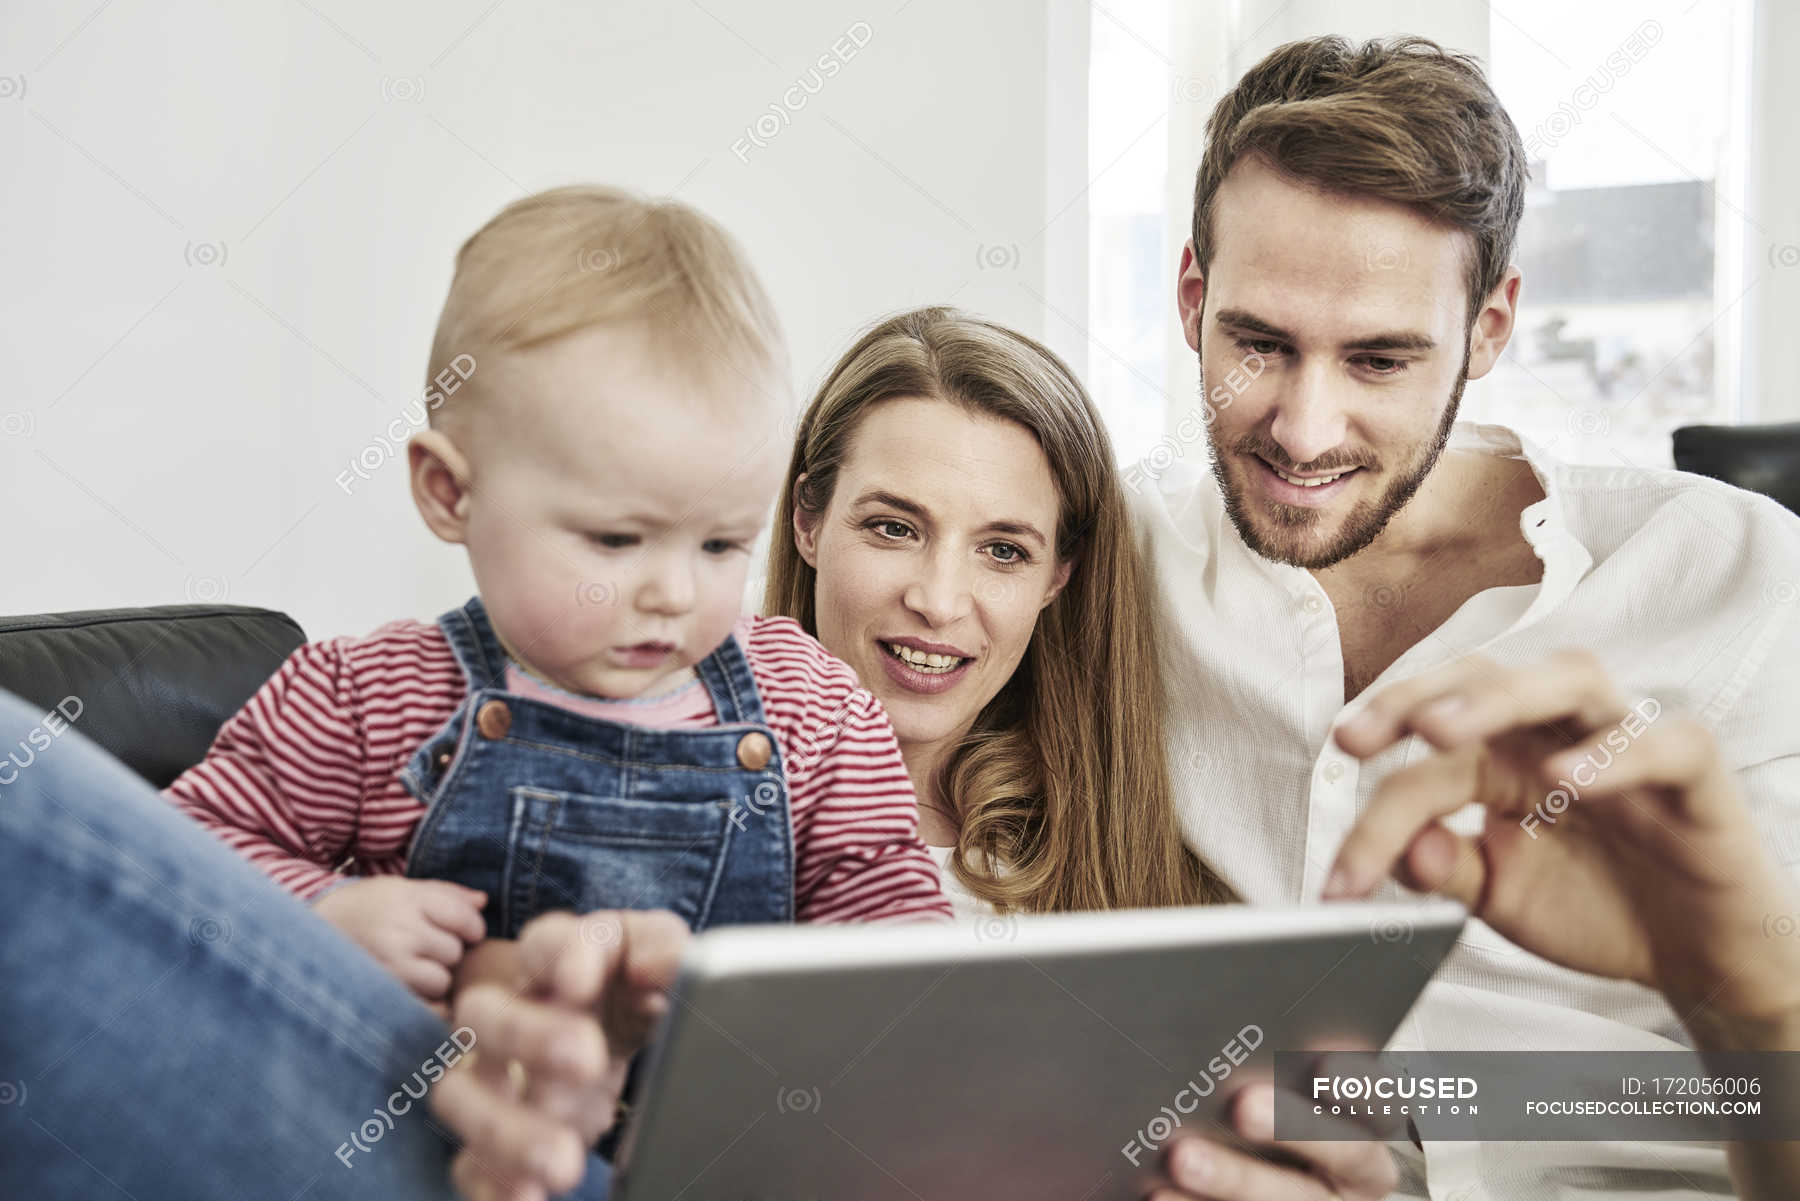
<point>543,809</point>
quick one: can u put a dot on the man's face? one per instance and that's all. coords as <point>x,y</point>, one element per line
<point>1346,315</point>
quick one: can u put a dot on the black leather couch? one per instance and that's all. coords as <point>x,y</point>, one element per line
<point>154,684</point>
<point>1760,458</point>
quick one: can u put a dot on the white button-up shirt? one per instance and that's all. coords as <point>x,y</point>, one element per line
<point>1687,590</point>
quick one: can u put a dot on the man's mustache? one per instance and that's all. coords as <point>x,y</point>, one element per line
<point>1270,452</point>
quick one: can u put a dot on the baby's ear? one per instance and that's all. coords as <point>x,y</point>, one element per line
<point>440,483</point>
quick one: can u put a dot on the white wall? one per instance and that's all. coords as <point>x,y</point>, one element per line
<point>172,426</point>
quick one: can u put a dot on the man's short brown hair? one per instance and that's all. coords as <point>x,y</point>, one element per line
<point>1400,119</point>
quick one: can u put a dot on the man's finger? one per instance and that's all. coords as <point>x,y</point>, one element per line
<point>1355,1163</point>
<point>475,1183</point>
<point>1679,755</point>
<point>582,961</point>
<point>548,1040</point>
<point>1441,861</point>
<point>508,1140</point>
<point>1381,721</point>
<point>1404,804</point>
<point>1480,700</point>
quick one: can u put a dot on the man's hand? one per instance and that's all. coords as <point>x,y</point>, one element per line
<point>1348,1170</point>
<point>1652,870</point>
<point>417,929</point>
<point>550,1056</point>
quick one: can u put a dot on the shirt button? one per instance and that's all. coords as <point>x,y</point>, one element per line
<point>754,750</point>
<point>493,719</point>
<point>1334,772</point>
<point>1312,604</point>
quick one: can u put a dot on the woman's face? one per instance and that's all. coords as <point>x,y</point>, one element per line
<point>934,558</point>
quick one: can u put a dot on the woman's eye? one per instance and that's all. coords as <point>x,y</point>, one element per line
<point>613,541</point>
<point>890,529</point>
<point>1009,552</point>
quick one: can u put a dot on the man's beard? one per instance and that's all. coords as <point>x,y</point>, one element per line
<point>1365,521</point>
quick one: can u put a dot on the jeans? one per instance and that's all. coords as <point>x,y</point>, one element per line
<point>174,1025</point>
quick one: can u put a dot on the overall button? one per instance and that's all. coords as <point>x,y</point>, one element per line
<point>754,750</point>
<point>442,753</point>
<point>494,719</point>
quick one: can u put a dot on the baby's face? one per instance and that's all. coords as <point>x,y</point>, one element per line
<point>613,504</point>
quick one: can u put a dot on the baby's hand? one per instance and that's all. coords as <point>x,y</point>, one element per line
<point>415,928</point>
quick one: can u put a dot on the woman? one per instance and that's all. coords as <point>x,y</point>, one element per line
<point>959,537</point>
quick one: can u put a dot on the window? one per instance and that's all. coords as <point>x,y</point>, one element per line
<point>1131,267</point>
<point>1631,244</point>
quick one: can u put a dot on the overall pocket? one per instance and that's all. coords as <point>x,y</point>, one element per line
<point>570,850</point>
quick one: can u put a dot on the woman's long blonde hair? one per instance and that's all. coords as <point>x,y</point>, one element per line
<point>1061,786</point>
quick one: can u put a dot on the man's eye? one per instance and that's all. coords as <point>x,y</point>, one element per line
<point>613,541</point>
<point>1381,365</point>
<point>1265,347</point>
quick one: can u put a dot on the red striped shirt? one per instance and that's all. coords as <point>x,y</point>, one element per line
<point>306,776</point>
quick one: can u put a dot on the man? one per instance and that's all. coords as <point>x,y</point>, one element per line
<point>1618,812</point>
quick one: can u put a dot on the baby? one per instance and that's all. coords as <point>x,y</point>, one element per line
<point>598,728</point>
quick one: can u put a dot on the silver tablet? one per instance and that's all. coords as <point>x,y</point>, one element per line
<point>1037,1058</point>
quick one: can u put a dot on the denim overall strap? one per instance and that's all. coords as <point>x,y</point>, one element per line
<point>544,808</point>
